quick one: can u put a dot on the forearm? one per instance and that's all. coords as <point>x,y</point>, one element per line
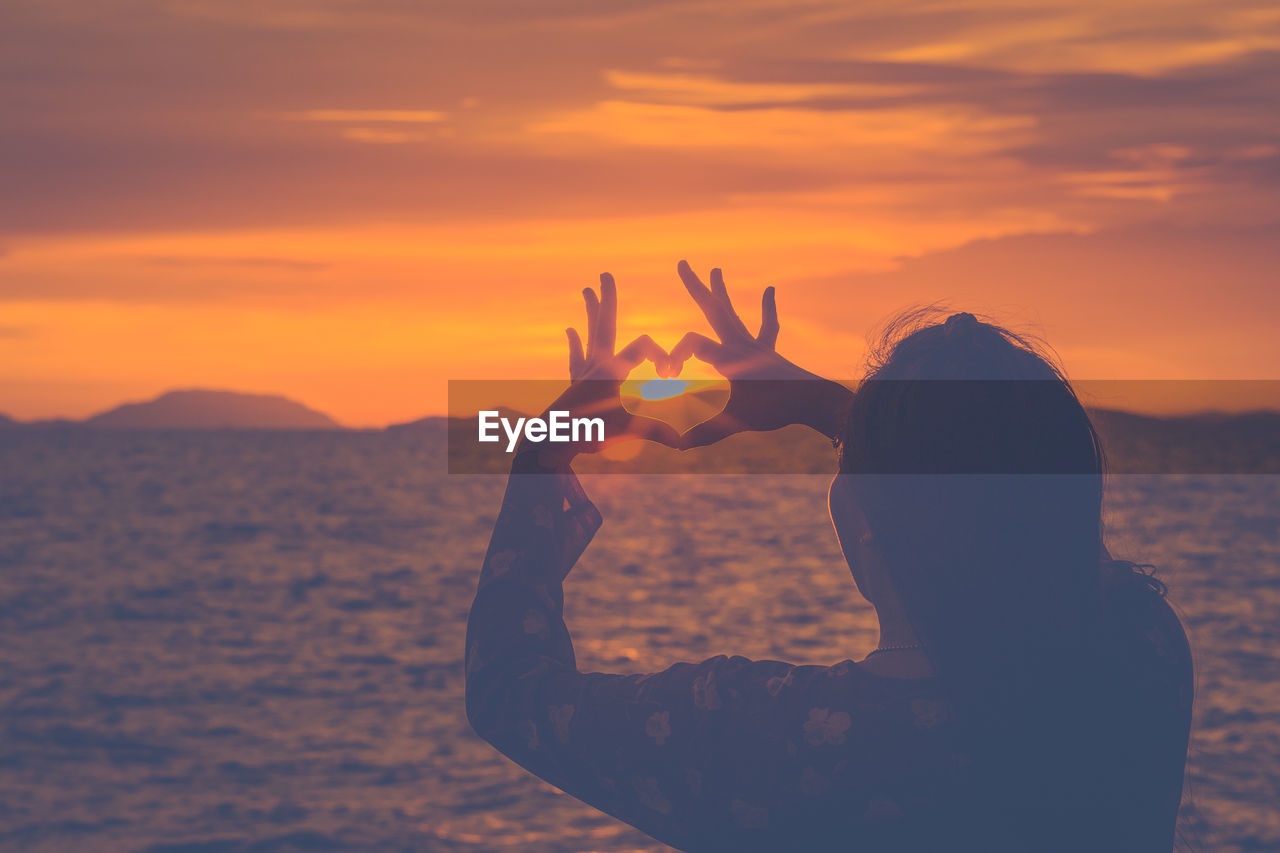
<point>516,623</point>
<point>819,403</point>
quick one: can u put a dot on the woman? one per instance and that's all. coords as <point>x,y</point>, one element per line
<point>1028,692</point>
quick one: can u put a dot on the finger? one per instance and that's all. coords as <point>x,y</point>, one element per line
<point>643,347</point>
<point>700,347</point>
<point>722,293</point>
<point>692,283</point>
<point>717,284</point>
<point>655,430</point>
<point>607,321</point>
<point>768,336</point>
<point>577,359</point>
<point>709,432</point>
<point>593,317</point>
<point>712,307</point>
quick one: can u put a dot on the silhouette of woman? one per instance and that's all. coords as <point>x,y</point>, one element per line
<point>1028,693</point>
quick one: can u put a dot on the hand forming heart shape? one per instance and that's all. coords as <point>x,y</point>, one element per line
<point>766,391</point>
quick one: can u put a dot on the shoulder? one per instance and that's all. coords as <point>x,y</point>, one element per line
<point>1136,611</point>
<point>1144,642</point>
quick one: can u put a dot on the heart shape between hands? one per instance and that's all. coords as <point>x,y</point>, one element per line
<point>684,404</point>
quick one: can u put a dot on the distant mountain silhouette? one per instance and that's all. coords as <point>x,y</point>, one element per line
<point>202,409</point>
<point>431,424</point>
<point>1210,442</point>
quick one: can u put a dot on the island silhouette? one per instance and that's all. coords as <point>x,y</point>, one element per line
<point>198,408</point>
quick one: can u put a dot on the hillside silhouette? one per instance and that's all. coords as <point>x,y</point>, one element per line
<point>204,409</point>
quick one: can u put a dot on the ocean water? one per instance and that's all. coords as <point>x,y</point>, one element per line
<point>233,641</point>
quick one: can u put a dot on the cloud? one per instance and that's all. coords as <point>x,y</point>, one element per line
<point>384,137</point>
<point>291,264</point>
<point>396,111</point>
<point>392,116</point>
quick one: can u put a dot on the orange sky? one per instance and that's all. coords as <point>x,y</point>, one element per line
<point>350,203</point>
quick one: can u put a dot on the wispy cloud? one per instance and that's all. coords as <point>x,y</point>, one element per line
<point>357,116</point>
<point>507,109</point>
<point>233,262</point>
<point>379,136</point>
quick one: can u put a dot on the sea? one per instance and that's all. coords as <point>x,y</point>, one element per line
<point>252,640</point>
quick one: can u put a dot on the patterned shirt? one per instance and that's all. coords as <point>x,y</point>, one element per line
<point>726,754</point>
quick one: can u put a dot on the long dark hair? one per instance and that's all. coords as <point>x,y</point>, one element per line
<point>981,478</point>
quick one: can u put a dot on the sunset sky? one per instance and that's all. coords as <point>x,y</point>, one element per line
<point>351,202</point>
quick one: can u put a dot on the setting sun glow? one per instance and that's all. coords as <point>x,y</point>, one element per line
<point>662,389</point>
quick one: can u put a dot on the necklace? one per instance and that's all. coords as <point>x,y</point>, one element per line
<point>895,647</point>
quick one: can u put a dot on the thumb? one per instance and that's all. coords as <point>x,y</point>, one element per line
<point>652,429</point>
<point>710,431</point>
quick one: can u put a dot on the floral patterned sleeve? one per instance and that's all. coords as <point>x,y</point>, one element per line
<point>726,754</point>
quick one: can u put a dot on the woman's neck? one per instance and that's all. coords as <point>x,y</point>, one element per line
<point>895,628</point>
<point>898,653</point>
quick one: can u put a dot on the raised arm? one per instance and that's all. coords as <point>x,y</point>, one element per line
<point>722,754</point>
<point>515,628</point>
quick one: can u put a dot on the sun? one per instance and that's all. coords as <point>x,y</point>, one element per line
<point>662,389</point>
